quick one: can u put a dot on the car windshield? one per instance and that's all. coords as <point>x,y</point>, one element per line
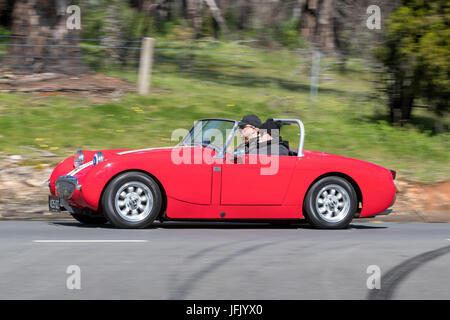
<point>210,132</point>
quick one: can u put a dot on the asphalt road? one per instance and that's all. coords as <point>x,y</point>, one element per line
<point>224,261</point>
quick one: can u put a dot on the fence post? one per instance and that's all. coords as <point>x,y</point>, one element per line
<point>145,66</point>
<point>315,70</point>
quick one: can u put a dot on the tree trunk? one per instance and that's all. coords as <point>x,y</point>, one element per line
<point>218,18</point>
<point>325,26</point>
<point>40,29</point>
<point>5,12</point>
<point>244,11</point>
<point>401,96</point>
<point>195,14</point>
<point>112,30</point>
<point>317,24</point>
<point>407,104</point>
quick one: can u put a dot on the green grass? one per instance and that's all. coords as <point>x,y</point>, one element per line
<point>343,121</point>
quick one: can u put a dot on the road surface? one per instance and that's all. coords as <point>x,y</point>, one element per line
<point>179,260</point>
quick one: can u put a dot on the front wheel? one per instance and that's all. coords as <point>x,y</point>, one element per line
<point>132,200</point>
<point>331,203</point>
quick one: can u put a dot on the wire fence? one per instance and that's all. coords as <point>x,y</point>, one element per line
<point>206,61</point>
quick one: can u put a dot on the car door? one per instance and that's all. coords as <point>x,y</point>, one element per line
<point>190,181</point>
<point>256,180</point>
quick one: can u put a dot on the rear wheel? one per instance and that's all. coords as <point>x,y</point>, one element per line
<point>331,203</point>
<point>132,200</point>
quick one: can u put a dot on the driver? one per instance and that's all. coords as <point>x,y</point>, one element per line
<point>249,126</point>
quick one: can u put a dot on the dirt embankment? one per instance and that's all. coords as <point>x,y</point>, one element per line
<point>54,82</point>
<point>23,195</point>
<point>421,202</point>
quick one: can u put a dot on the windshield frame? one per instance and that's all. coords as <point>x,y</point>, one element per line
<point>220,151</point>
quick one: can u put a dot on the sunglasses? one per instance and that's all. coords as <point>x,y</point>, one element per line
<point>247,125</point>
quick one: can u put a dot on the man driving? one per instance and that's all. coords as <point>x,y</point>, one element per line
<point>263,139</point>
<point>249,126</point>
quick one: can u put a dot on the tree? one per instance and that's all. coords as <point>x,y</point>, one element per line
<point>194,9</point>
<point>317,23</point>
<point>416,57</point>
<point>5,12</point>
<point>41,38</point>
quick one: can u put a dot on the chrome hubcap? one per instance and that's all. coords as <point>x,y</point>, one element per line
<point>134,201</point>
<point>333,203</point>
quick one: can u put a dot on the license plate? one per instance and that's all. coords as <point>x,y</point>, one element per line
<point>53,204</point>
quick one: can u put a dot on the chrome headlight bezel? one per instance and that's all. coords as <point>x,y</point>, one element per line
<point>98,157</point>
<point>78,160</point>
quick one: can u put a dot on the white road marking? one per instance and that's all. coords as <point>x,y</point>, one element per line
<point>89,241</point>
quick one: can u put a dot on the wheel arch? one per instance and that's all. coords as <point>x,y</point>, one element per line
<point>161,187</point>
<point>346,177</point>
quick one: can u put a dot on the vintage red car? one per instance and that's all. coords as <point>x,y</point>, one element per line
<point>206,177</point>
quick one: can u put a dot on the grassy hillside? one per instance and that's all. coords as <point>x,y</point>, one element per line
<point>214,81</point>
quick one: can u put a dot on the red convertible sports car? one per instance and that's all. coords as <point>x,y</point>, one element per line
<point>206,177</point>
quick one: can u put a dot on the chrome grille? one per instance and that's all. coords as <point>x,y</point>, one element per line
<point>65,186</point>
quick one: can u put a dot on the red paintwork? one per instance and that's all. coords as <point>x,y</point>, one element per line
<point>196,191</point>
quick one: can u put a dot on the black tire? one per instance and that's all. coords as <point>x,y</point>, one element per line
<point>88,219</point>
<point>110,209</point>
<point>312,214</point>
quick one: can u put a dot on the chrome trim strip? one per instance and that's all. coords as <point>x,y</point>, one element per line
<point>78,169</point>
<point>139,150</point>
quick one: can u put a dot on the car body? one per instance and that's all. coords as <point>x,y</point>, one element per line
<point>207,181</point>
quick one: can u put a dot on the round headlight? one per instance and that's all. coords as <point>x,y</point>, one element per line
<point>98,157</point>
<point>79,158</point>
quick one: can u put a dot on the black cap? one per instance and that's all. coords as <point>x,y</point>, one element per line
<point>270,125</point>
<point>250,119</point>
